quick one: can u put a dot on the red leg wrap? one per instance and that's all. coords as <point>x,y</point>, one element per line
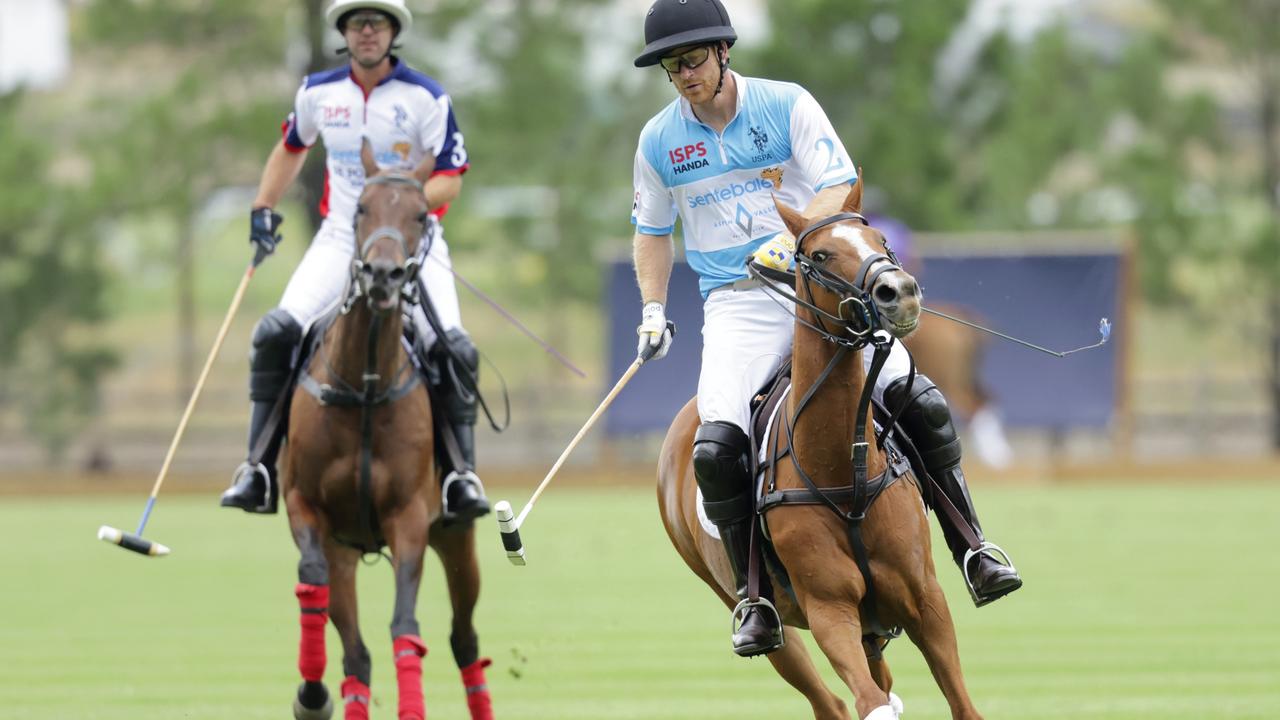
<point>355,699</point>
<point>409,650</point>
<point>478,700</point>
<point>314,603</point>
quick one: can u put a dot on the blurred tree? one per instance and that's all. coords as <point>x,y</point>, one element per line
<point>1245,36</point>
<point>201,121</point>
<point>871,66</point>
<point>51,289</point>
<point>538,114</point>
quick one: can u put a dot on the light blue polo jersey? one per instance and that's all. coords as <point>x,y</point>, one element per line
<point>780,142</point>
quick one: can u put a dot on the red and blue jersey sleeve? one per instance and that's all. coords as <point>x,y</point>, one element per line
<point>452,158</point>
<point>300,129</point>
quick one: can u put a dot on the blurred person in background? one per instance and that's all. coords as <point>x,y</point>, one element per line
<point>715,157</point>
<point>408,120</point>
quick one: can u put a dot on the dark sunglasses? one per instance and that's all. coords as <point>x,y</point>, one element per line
<point>375,20</point>
<point>691,59</point>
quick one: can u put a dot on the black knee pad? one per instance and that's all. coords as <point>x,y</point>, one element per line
<point>720,461</point>
<point>275,338</point>
<point>927,420</point>
<point>458,361</point>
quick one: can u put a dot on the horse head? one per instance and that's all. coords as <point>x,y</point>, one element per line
<point>844,267</point>
<point>391,220</point>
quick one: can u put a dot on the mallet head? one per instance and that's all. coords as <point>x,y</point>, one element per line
<point>510,532</point>
<point>129,541</point>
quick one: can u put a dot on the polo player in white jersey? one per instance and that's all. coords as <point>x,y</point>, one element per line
<point>715,157</point>
<point>408,120</point>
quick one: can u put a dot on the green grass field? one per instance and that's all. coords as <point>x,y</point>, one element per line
<point>1141,602</point>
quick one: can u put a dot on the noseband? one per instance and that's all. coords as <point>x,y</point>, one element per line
<point>856,314</point>
<point>363,276</point>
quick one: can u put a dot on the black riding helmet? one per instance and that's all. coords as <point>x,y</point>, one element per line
<point>671,24</point>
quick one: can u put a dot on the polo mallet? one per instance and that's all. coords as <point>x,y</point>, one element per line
<point>508,525</point>
<point>135,541</point>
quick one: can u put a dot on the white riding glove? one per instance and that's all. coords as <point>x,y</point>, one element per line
<point>654,331</point>
<point>776,253</point>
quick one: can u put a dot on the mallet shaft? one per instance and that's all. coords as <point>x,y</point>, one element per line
<point>195,393</point>
<point>604,405</point>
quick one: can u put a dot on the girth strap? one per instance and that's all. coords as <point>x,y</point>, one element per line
<point>331,396</point>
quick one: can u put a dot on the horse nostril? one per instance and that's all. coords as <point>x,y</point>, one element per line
<point>911,288</point>
<point>885,294</point>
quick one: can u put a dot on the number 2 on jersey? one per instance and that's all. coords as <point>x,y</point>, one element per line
<point>834,162</point>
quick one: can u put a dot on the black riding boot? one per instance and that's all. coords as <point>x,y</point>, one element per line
<point>927,419</point>
<point>457,366</point>
<point>722,469</point>
<point>254,487</point>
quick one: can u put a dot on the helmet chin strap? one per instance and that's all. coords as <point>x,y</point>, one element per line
<point>722,65</point>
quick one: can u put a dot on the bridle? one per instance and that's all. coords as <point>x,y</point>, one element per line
<point>856,318</point>
<point>400,279</point>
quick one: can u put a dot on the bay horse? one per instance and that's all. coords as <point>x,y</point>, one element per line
<point>360,472</point>
<point>814,544</point>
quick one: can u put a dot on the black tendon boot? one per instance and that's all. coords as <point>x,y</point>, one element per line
<point>927,420</point>
<point>254,488</point>
<point>458,364</point>
<point>721,467</point>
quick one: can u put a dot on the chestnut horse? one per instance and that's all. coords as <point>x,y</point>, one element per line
<point>360,472</point>
<point>812,542</point>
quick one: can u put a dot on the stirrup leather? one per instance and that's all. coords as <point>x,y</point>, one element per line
<point>763,603</point>
<point>985,547</point>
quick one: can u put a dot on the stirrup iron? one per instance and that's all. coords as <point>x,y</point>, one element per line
<point>985,547</point>
<point>449,480</point>
<point>740,614</point>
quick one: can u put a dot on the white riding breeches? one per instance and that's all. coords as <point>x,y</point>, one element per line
<point>319,284</point>
<point>746,335</point>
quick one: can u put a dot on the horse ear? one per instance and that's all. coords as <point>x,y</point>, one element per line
<point>366,159</point>
<point>792,219</point>
<point>853,201</point>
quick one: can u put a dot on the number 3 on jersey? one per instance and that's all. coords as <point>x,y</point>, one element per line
<point>459,157</point>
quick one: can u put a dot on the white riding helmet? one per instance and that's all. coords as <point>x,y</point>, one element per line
<point>394,8</point>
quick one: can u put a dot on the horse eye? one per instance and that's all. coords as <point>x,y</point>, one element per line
<point>821,256</point>
<point>360,209</point>
<point>423,218</point>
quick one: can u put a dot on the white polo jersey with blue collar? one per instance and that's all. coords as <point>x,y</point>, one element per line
<point>407,117</point>
<point>721,185</point>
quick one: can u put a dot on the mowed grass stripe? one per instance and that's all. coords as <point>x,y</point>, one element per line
<point>1141,602</point>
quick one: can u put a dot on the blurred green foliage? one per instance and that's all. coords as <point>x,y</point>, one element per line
<point>1072,129</point>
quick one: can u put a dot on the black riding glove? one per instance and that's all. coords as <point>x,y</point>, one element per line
<point>264,224</point>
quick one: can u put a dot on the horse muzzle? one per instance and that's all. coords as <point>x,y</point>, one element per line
<point>897,299</point>
<point>384,282</point>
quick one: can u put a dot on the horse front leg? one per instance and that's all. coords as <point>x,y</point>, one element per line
<point>828,588</point>
<point>312,701</point>
<point>406,534</point>
<point>357,668</point>
<point>930,627</point>
<point>457,550</point>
